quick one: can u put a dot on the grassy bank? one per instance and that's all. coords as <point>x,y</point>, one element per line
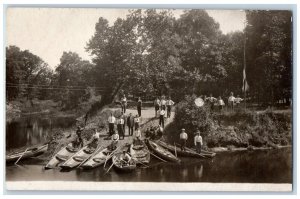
<point>242,130</point>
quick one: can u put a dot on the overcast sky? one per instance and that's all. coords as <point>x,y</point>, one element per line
<point>47,32</point>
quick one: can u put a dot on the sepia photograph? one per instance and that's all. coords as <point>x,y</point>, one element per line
<point>179,99</point>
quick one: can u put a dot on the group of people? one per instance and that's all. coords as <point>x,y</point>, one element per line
<point>163,106</point>
<point>219,102</point>
<point>124,105</point>
<point>198,142</point>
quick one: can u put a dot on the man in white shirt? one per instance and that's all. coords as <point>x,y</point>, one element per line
<point>231,100</point>
<point>161,118</point>
<point>136,122</point>
<point>95,139</point>
<point>120,127</point>
<point>220,103</point>
<point>238,100</point>
<point>163,103</point>
<point>111,124</point>
<point>125,158</point>
<point>123,103</point>
<point>115,139</point>
<point>183,137</point>
<point>169,104</point>
<point>198,141</point>
<point>156,105</point>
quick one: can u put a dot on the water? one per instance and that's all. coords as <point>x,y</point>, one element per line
<point>272,166</point>
<point>32,130</point>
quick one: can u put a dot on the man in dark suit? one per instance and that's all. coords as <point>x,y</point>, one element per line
<point>130,124</point>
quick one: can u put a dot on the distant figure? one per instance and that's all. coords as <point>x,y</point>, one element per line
<point>111,124</point>
<point>156,105</point>
<point>138,133</point>
<point>123,103</point>
<point>115,139</point>
<point>169,104</point>
<point>204,98</point>
<point>231,100</point>
<point>139,107</point>
<point>79,137</point>
<point>163,103</point>
<point>220,103</point>
<point>120,126</point>
<point>130,124</point>
<point>238,100</point>
<point>161,118</point>
<point>183,137</point>
<point>136,122</point>
<point>124,117</point>
<point>198,141</point>
<point>211,100</point>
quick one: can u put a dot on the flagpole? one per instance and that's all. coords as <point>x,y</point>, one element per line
<point>244,72</point>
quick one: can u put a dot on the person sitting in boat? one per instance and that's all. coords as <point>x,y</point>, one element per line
<point>115,139</point>
<point>137,137</point>
<point>159,132</point>
<point>95,139</point>
<point>125,158</point>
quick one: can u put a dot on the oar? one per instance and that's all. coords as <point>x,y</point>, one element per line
<point>89,156</point>
<point>141,163</point>
<point>21,155</point>
<point>110,167</point>
<point>110,155</point>
<point>175,150</point>
<point>157,157</point>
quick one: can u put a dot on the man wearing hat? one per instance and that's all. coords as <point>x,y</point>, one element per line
<point>198,141</point>
<point>183,138</point>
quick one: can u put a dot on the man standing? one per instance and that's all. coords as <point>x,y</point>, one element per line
<point>211,101</point>
<point>78,133</point>
<point>156,105</point>
<point>130,124</point>
<point>139,107</point>
<point>120,126</point>
<point>136,122</point>
<point>169,104</point>
<point>123,103</point>
<point>183,137</point>
<point>111,124</point>
<point>231,100</point>
<point>220,103</point>
<point>161,118</point>
<point>163,103</point>
<point>198,141</point>
<point>238,100</point>
<point>115,139</point>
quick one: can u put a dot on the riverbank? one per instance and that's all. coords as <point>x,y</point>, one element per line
<point>243,130</point>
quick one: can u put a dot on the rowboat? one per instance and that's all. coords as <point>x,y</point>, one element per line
<point>31,152</point>
<point>162,152</point>
<point>203,152</point>
<point>61,156</point>
<point>121,166</point>
<point>187,153</point>
<point>98,159</point>
<point>140,153</point>
<point>79,157</point>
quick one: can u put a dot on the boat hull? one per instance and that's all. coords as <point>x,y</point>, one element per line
<point>140,153</point>
<point>34,152</point>
<point>98,159</point>
<point>123,168</point>
<point>63,155</point>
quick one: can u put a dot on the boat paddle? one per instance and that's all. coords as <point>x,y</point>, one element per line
<point>90,156</point>
<point>175,150</point>
<point>141,163</point>
<point>157,157</point>
<point>110,167</point>
<point>109,156</point>
<point>21,156</point>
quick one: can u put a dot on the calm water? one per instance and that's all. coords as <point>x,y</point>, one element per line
<point>274,166</point>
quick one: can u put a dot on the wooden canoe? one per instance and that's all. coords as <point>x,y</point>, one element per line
<point>61,156</point>
<point>119,165</point>
<point>31,152</point>
<point>187,153</point>
<point>140,153</point>
<point>203,152</point>
<point>162,152</point>
<point>79,157</point>
<point>98,159</point>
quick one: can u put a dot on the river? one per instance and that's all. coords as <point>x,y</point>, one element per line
<point>270,166</point>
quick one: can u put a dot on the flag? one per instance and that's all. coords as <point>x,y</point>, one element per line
<point>245,84</point>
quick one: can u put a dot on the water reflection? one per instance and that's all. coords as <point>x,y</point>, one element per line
<point>32,130</point>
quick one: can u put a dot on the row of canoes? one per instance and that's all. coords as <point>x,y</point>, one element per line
<point>88,158</point>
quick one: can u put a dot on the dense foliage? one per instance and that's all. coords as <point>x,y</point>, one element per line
<point>150,52</point>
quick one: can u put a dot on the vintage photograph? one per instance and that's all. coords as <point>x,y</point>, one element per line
<point>129,96</point>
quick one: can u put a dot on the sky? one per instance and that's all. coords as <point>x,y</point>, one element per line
<point>48,32</point>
